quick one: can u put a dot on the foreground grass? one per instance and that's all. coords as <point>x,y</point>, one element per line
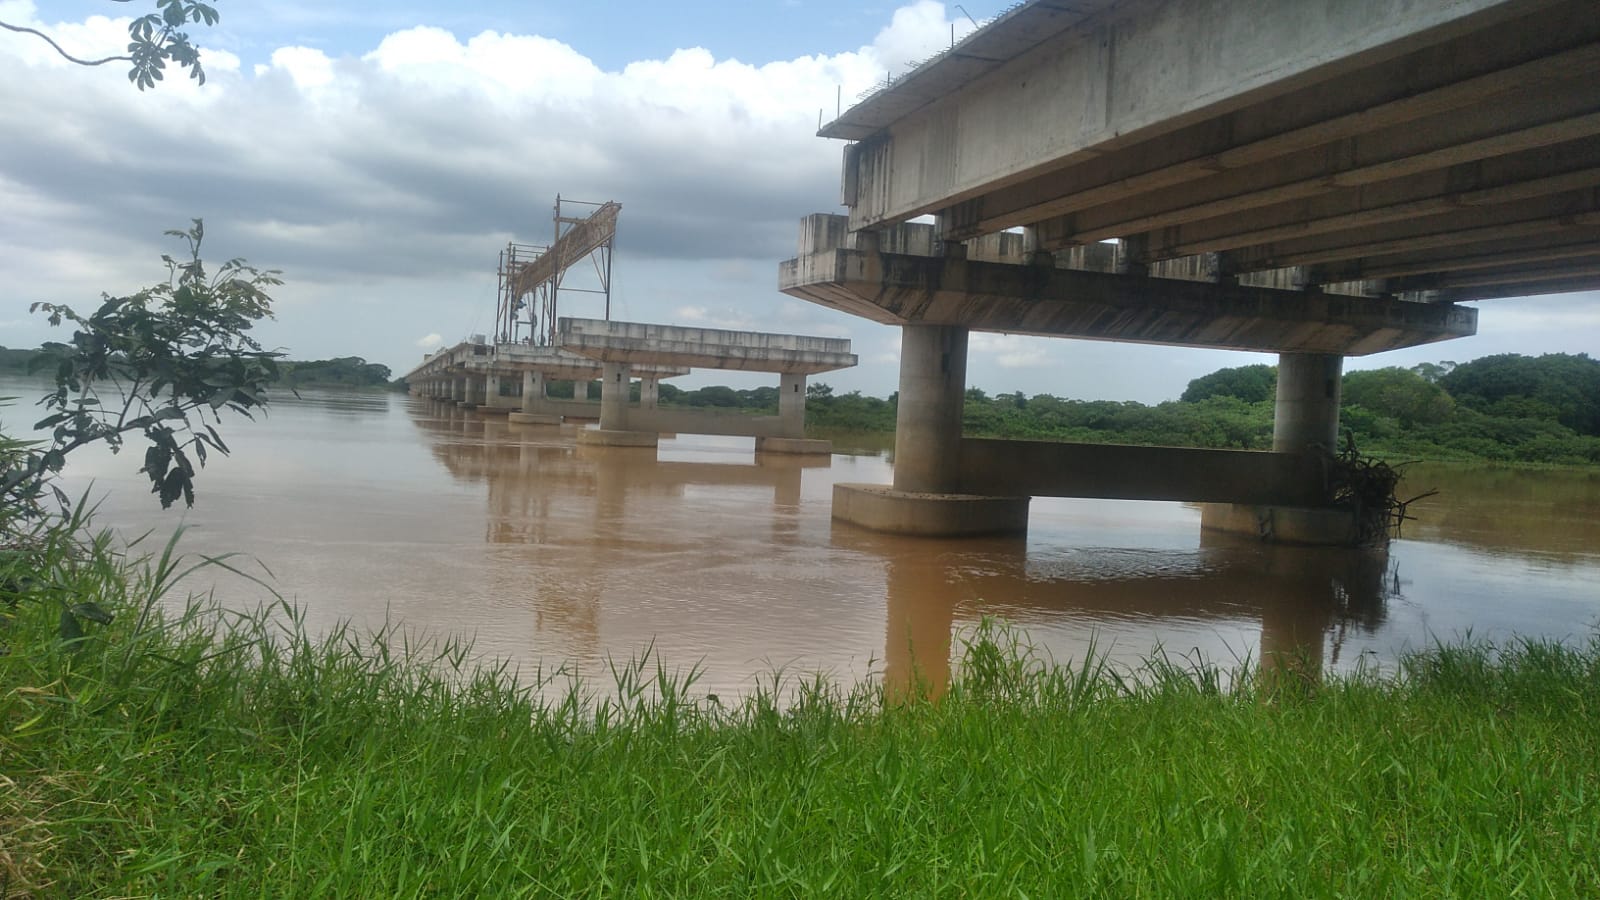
<point>245,758</point>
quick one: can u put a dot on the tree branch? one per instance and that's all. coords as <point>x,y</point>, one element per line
<point>22,29</point>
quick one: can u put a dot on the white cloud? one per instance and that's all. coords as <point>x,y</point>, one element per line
<point>1012,351</point>
<point>308,67</point>
<point>916,32</point>
<point>430,341</point>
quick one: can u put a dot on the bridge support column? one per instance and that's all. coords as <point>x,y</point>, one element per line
<point>1305,418</point>
<point>927,428</point>
<point>926,497</point>
<point>458,389</point>
<point>615,383</point>
<point>1307,409</point>
<point>533,387</point>
<point>792,403</point>
<point>494,398</point>
<point>792,420</point>
<point>533,410</point>
<point>580,390</point>
<point>614,396</point>
<point>649,393</point>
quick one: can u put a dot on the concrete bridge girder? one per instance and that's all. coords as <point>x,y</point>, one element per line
<point>1310,121</point>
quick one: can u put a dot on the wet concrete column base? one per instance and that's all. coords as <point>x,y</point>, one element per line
<point>527,418</point>
<point>793,445</point>
<point>610,437</point>
<point>882,508</point>
<point>1316,526</point>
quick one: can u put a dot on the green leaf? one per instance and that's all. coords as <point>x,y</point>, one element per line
<point>92,611</point>
<point>68,628</point>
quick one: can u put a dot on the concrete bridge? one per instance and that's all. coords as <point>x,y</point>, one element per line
<point>1315,178</point>
<point>621,346</point>
<point>513,378</point>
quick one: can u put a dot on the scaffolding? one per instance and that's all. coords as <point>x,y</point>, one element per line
<point>532,277</point>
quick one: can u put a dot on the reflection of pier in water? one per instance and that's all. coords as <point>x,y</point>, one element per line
<point>1302,596</point>
<point>585,505</point>
<point>572,518</point>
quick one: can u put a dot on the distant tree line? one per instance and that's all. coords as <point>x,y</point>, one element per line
<point>344,371</point>
<point>1507,407</point>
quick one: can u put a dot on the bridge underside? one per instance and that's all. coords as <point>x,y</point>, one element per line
<point>1444,151</point>
<point>1318,178</point>
<point>900,289</point>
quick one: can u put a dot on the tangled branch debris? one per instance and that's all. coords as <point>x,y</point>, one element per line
<point>1366,486</point>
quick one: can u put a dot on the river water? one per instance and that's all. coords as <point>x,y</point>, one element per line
<point>380,507</point>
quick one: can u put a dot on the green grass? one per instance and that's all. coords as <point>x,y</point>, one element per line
<point>193,754</point>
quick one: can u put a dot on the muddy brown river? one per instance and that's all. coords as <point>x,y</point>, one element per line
<point>378,507</point>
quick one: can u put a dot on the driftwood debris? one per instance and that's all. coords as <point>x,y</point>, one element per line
<point>1366,486</point>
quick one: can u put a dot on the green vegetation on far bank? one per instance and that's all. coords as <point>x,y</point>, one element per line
<point>1506,408</point>
<point>162,755</point>
<point>344,371</point>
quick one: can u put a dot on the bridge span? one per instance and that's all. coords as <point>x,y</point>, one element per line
<point>1315,178</point>
<point>513,378</point>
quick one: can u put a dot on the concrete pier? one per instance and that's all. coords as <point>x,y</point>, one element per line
<point>615,385</point>
<point>927,497</point>
<point>933,384</point>
<point>1305,422</point>
<point>1306,414</point>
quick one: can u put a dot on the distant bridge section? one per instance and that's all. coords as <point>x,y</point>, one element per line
<point>639,343</point>
<point>622,346</point>
<point>513,378</point>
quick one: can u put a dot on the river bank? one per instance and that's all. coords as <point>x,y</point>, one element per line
<point>240,755</point>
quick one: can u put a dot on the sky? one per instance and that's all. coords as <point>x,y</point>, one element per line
<point>381,154</point>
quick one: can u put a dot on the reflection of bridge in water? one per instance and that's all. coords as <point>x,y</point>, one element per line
<point>1305,599</point>
<point>590,504</point>
<point>608,519</point>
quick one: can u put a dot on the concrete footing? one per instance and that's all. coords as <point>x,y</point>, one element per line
<point>793,445</point>
<point>522,418</point>
<point>608,437</point>
<point>882,508</point>
<point>1283,524</point>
